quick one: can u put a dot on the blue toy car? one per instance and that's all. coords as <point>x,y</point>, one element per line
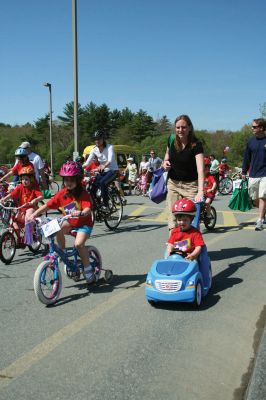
<point>180,280</point>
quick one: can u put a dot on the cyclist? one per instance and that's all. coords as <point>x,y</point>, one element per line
<point>27,193</point>
<point>22,161</point>
<point>223,168</point>
<point>185,237</point>
<point>74,200</point>
<point>108,166</point>
<point>209,186</point>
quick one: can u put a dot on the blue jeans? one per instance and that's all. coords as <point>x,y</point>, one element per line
<point>102,180</point>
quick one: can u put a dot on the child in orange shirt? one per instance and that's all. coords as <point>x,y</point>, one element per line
<point>209,186</point>
<point>27,193</point>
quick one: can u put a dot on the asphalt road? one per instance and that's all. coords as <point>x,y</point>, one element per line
<point>109,343</point>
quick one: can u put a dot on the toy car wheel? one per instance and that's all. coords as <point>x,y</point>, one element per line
<point>108,276</point>
<point>198,295</point>
<point>152,303</point>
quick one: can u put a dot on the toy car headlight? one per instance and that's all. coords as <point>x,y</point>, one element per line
<point>149,281</point>
<point>190,284</point>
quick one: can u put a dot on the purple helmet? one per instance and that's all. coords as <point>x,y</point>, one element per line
<point>70,168</point>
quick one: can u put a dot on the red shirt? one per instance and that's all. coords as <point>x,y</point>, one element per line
<point>209,180</point>
<point>70,203</point>
<point>186,241</point>
<point>92,166</point>
<point>24,195</point>
<point>17,167</point>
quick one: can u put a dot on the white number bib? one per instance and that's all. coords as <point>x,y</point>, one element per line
<point>50,228</point>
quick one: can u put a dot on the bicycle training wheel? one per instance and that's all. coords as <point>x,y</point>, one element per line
<point>210,222</point>
<point>113,219</point>
<point>47,283</point>
<point>225,186</point>
<point>37,241</point>
<point>7,247</point>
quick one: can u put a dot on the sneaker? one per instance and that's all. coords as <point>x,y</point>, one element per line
<point>124,202</point>
<point>89,274</point>
<point>105,210</point>
<point>259,225</point>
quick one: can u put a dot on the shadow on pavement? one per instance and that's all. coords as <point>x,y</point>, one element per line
<point>119,282</point>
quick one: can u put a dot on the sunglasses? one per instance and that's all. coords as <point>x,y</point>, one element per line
<point>256,126</point>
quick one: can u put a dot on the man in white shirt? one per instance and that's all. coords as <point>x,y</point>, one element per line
<point>37,163</point>
<point>108,166</point>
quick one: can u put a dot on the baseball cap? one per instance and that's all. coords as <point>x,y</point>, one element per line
<point>25,145</point>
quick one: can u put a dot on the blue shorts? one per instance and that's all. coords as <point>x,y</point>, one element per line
<point>85,228</point>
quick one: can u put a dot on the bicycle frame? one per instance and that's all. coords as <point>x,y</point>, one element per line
<point>55,252</point>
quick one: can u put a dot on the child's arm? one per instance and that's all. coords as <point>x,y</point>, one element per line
<point>39,211</point>
<point>82,213</point>
<point>5,198</point>
<point>195,253</point>
<point>170,248</point>
<point>6,176</point>
<point>35,202</point>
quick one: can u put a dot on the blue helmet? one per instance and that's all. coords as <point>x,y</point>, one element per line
<point>21,152</point>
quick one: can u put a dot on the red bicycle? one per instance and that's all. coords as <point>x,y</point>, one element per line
<point>12,237</point>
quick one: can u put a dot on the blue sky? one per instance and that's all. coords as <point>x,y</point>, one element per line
<point>168,57</point>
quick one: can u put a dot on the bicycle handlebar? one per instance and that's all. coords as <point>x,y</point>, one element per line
<point>14,208</point>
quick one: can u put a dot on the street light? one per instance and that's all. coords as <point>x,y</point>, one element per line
<point>47,84</point>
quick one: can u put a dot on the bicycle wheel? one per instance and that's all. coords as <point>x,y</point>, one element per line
<point>7,247</point>
<point>54,187</point>
<point>136,191</point>
<point>37,241</point>
<point>225,186</point>
<point>47,283</point>
<point>113,219</point>
<point>210,222</point>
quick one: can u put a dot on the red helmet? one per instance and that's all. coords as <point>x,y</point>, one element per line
<point>184,206</point>
<point>207,161</point>
<point>70,168</point>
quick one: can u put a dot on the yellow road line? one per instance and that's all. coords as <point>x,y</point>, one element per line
<point>229,219</point>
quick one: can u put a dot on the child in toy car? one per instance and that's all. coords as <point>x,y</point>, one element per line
<point>185,275</point>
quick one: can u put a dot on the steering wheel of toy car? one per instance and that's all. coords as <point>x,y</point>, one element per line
<point>179,252</point>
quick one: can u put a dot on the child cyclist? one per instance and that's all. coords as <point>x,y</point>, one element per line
<point>27,193</point>
<point>74,200</point>
<point>185,238</point>
<point>22,161</point>
<point>209,186</point>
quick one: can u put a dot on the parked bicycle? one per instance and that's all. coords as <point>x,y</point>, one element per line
<point>114,214</point>
<point>12,238</point>
<point>48,278</point>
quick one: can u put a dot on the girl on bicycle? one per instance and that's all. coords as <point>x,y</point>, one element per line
<point>143,181</point>
<point>27,193</point>
<point>73,199</point>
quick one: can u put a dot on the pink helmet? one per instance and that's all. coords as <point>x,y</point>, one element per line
<point>70,168</point>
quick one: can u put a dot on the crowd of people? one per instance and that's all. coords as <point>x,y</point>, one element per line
<point>192,176</point>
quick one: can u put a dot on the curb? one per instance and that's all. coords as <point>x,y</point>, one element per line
<point>257,385</point>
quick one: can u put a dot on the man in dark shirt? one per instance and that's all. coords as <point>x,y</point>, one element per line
<point>255,163</point>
